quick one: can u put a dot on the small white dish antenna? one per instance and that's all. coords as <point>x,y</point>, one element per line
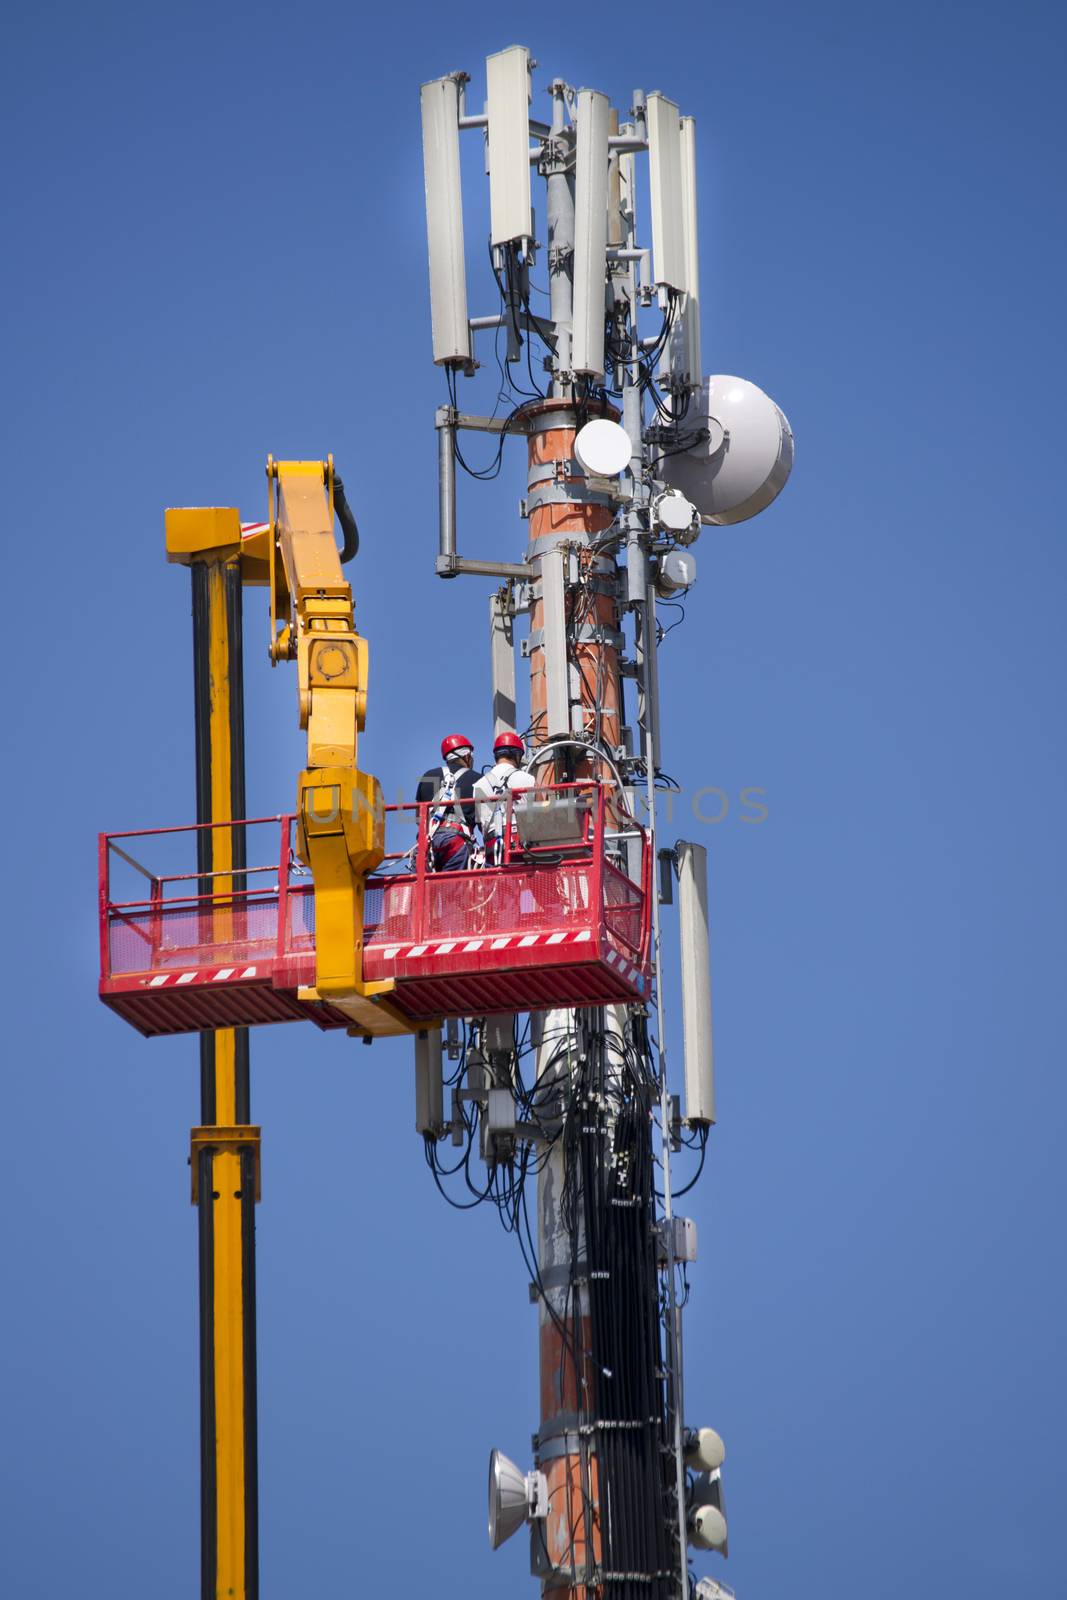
<point>602,448</point>
<point>743,464</point>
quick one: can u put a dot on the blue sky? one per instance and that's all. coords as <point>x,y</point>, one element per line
<point>216,250</point>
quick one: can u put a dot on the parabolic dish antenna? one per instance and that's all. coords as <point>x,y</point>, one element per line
<point>508,1499</point>
<point>603,448</point>
<point>743,464</point>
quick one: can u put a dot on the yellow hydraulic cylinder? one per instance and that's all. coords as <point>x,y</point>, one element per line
<point>341,837</point>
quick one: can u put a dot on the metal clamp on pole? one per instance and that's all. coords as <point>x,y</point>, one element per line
<point>233,1139</point>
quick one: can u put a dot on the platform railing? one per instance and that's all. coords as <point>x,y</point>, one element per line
<point>167,910</point>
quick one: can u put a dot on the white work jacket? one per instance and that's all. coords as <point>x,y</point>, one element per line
<point>492,790</point>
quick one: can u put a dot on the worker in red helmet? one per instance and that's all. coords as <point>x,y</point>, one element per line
<point>506,776</point>
<point>450,788</point>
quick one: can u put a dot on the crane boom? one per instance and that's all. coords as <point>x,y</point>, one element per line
<point>341,818</point>
<point>341,822</point>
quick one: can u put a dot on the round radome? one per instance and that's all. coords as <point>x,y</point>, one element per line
<point>603,448</point>
<point>744,463</point>
<point>674,512</point>
<point>708,1528</point>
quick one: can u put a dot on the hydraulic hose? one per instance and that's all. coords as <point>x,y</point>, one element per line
<point>349,526</point>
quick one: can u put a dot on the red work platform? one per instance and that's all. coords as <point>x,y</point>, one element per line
<point>560,922</point>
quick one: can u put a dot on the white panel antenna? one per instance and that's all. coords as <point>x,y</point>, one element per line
<point>615,229</point>
<point>510,205</point>
<point>444,221</point>
<point>665,193</point>
<point>590,233</point>
<point>502,651</point>
<point>429,1083</point>
<point>691,314</point>
<point>556,667</point>
<point>681,358</point>
<point>696,983</point>
<point>627,201</point>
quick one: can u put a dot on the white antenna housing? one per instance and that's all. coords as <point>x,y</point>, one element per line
<point>704,1450</point>
<point>444,221</point>
<point>691,310</point>
<point>590,233</point>
<point>665,192</point>
<point>696,983</point>
<point>554,634</point>
<point>508,87</point>
<point>744,462</point>
<point>680,363</point>
<point>602,448</point>
<point>429,1083</point>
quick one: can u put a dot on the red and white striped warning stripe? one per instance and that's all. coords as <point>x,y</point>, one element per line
<point>632,974</point>
<point>409,951</point>
<point>176,980</point>
<point>489,944</point>
<point>249,528</point>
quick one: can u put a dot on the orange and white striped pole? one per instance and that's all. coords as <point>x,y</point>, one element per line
<point>564,512</point>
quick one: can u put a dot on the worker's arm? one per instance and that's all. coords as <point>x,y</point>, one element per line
<point>483,793</point>
<point>429,784</point>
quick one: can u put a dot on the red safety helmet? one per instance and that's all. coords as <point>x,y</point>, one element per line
<point>453,743</point>
<point>510,742</point>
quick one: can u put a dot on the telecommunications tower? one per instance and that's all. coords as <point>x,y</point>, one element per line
<point>630,450</point>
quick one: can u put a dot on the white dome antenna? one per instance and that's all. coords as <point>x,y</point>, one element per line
<point>744,462</point>
<point>602,448</point>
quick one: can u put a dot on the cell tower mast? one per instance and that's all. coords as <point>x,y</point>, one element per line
<point>629,452</point>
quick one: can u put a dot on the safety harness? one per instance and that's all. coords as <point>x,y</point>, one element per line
<point>446,807</point>
<point>500,787</point>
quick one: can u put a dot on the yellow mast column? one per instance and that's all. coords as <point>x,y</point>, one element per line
<point>225,1147</point>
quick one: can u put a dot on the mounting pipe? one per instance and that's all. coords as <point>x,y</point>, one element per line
<point>449,564</point>
<point>453,566</point>
<point>446,498</point>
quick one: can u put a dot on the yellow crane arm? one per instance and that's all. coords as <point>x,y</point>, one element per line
<point>341,818</point>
